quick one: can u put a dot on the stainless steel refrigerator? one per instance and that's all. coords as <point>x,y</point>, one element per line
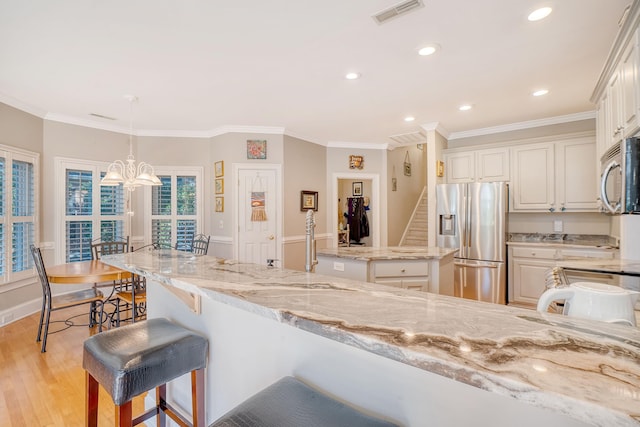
<point>472,218</point>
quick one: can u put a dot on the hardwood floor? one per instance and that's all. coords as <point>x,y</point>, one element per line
<point>48,389</point>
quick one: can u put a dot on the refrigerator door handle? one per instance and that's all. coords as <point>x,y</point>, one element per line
<point>462,264</point>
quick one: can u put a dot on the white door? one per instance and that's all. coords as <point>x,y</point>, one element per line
<point>258,236</point>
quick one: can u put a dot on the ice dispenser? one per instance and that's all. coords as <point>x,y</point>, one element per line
<point>447,225</point>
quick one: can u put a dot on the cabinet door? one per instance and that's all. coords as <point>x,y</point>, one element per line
<point>576,176</point>
<point>492,165</point>
<point>629,86</point>
<point>533,177</point>
<point>460,167</point>
<point>615,117</point>
<point>602,130</point>
<point>529,280</point>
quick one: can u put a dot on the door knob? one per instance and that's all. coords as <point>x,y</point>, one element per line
<point>271,237</point>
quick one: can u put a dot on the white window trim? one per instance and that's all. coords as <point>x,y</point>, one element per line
<point>61,164</point>
<point>13,280</point>
<point>198,172</point>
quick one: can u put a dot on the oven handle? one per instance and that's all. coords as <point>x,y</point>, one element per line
<point>603,187</point>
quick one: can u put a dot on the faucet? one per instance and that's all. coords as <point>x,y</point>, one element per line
<point>310,248</point>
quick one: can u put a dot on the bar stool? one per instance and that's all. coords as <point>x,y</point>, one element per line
<point>291,403</point>
<point>133,359</point>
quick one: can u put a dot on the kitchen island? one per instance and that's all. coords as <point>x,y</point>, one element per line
<point>417,358</point>
<point>428,269</point>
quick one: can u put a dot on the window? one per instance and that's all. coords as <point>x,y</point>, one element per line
<point>91,211</point>
<point>176,207</point>
<point>18,212</point>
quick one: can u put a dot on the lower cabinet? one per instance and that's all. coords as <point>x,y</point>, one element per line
<point>407,274</point>
<point>529,266</point>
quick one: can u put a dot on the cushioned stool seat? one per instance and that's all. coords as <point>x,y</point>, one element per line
<point>130,360</point>
<point>291,403</point>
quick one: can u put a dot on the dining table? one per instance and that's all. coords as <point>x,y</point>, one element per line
<point>92,271</point>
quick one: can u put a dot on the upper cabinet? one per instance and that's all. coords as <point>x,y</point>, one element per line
<point>486,165</point>
<point>555,176</point>
<point>617,93</point>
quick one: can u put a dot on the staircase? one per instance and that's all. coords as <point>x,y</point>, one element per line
<point>416,232</point>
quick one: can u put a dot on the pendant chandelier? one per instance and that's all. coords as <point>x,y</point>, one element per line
<point>129,174</point>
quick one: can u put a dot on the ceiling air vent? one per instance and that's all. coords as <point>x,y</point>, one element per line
<point>102,116</point>
<point>409,138</point>
<point>397,10</point>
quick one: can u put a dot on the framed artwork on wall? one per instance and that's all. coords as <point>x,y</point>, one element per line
<point>308,200</point>
<point>219,204</point>
<point>219,185</point>
<point>219,168</point>
<point>256,149</point>
<point>356,188</point>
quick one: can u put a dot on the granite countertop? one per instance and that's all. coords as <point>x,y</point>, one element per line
<point>602,265</point>
<point>563,240</point>
<point>367,253</point>
<point>584,369</point>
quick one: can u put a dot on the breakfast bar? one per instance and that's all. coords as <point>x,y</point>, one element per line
<point>416,358</point>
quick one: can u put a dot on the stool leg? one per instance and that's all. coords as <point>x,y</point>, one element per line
<point>124,414</point>
<point>161,398</point>
<point>197,397</point>
<point>91,408</point>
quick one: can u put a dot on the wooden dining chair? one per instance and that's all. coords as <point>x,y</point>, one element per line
<point>50,303</point>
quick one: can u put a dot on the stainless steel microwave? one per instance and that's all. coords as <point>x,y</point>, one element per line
<point>620,178</point>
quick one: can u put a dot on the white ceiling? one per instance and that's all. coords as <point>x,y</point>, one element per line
<point>201,66</point>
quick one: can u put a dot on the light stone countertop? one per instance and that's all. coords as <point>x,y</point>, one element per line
<point>600,265</point>
<point>368,253</point>
<point>584,241</point>
<point>585,369</point>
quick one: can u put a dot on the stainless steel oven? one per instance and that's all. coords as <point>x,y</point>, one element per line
<point>620,178</point>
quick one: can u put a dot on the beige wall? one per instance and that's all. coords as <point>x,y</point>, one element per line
<point>304,168</point>
<point>21,130</point>
<point>403,201</point>
<point>375,163</point>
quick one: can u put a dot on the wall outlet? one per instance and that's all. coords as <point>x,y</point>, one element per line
<point>338,266</point>
<point>7,318</point>
<point>557,226</point>
<point>221,224</point>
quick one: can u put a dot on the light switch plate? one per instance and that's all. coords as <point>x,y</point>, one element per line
<point>557,226</point>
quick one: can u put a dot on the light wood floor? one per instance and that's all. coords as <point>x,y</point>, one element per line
<point>47,389</point>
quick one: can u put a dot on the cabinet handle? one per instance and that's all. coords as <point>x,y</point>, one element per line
<point>552,209</point>
<point>402,271</point>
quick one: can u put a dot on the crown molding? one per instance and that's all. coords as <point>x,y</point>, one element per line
<point>436,126</point>
<point>274,130</point>
<point>523,125</point>
<point>22,106</point>
<point>359,145</point>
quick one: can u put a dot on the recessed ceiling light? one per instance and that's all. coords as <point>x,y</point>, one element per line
<point>539,14</point>
<point>540,92</point>
<point>465,107</point>
<point>409,119</point>
<point>428,50</point>
<point>352,76</point>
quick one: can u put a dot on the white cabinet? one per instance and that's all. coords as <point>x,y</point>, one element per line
<point>529,264</point>
<point>486,165</point>
<point>407,274</point>
<point>533,177</point>
<point>555,176</point>
<point>576,183</point>
<point>618,95</point>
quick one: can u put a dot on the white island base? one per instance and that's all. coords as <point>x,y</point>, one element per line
<point>248,352</point>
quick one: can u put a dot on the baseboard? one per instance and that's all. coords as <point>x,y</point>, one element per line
<point>20,311</point>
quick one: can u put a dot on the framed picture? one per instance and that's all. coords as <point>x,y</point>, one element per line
<point>219,185</point>
<point>256,149</point>
<point>439,168</point>
<point>356,162</point>
<point>219,204</point>
<point>356,188</point>
<point>219,168</point>
<point>308,200</point>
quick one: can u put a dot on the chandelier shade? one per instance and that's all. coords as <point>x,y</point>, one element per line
<point>129,174</point>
